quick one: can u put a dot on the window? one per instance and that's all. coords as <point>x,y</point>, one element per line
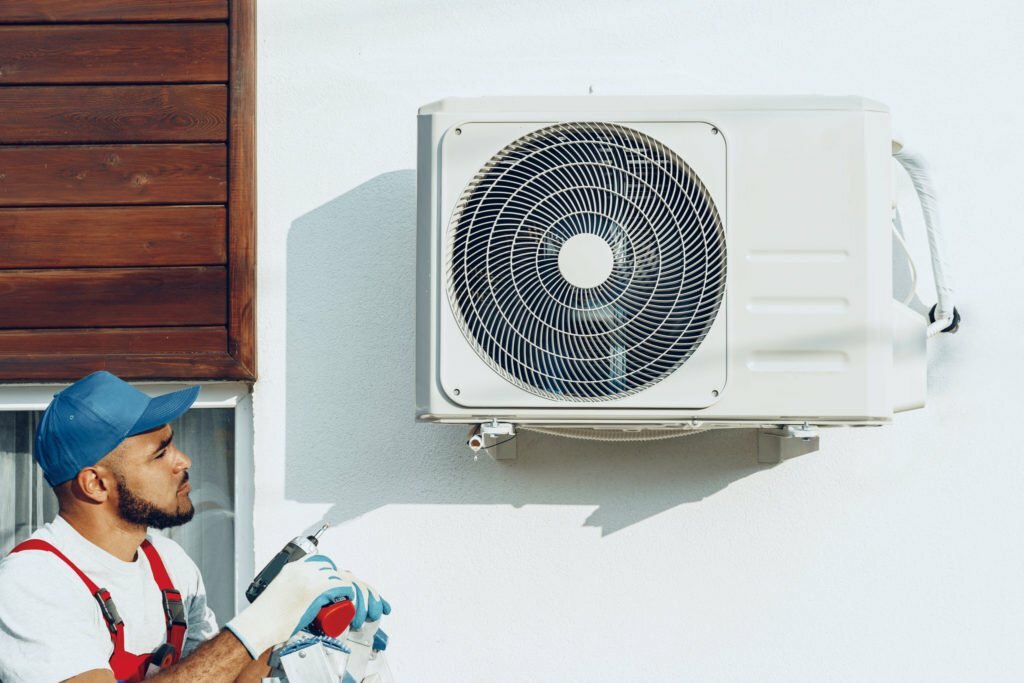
<point>208,436</point>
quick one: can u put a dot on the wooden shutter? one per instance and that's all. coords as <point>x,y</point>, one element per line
<point>127,189</point>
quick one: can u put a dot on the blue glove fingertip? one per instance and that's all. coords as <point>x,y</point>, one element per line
<point>322,558</point>
<point>375,608</point>
<point>360,600</point>
<point>385,606</point>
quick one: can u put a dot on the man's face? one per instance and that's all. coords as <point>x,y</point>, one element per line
<point>152,480</point>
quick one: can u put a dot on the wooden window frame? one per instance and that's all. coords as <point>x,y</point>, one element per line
<point>242,189</point>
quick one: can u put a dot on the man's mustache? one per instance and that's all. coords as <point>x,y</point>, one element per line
<point>183,479</point>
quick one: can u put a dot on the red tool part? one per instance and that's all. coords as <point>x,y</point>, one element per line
<point>333,619</point>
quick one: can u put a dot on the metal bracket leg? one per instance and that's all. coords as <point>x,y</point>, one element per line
<point>497,439</point>
<point>505,450</point>
<point>776,445</point>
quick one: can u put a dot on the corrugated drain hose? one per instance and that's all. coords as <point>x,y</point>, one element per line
<point>944,316</point>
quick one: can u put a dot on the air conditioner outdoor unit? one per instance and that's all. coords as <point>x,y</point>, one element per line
<point>660,263</point>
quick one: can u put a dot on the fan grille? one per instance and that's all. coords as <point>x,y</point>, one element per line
<point>628,321</point>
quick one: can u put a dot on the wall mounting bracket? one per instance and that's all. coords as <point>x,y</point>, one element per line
<point>776,445</point>
<point>497,439</point>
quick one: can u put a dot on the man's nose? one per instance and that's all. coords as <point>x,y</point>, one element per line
<point>184,462</point>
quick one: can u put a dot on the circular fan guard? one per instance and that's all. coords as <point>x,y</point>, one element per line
<point>585,343</point>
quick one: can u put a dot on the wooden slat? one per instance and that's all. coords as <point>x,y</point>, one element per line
<point>121,297</point>
<point>71,237</point>
<point>133,367</point>
<point>112,53</point>
<point>147,340</point>
<point>242,197</point>
<point>26,11</point>
<point>113,174</point>
<point>123,113</point>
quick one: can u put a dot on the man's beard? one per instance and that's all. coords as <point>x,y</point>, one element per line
<point>138,511</point>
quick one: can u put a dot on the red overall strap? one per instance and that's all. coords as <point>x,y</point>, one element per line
<point>174,607</point>
<point>102,595</point>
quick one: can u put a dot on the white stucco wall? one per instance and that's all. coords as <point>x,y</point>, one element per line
<point>892,554</point>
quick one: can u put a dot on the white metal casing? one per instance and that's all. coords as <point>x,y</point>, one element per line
<point>805,332</point>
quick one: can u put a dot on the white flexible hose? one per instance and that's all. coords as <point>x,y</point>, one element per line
<point>918,172</point>
<point>897,232</point>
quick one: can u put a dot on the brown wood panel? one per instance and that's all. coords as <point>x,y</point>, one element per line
<point>68,181</point>
<point>27,11</point>
<point>148,340</point>
<point>242,194</point>
<point>112,53</point>
<point>70,367</point>
<point>122,113</point>
<point>116,297</point>
<point>113,174</point>
<point>70,237</point>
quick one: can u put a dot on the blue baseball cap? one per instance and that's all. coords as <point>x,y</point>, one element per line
<point>92,416</point>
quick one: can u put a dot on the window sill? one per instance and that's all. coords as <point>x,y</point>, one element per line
<point>211,394</point>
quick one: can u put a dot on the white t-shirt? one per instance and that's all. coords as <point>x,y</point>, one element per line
<point>51,627</point>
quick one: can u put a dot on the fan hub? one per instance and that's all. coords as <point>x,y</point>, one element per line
<point>585,260</point>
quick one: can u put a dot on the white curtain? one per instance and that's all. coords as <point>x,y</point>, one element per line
<point>26,500</point>
<point>207,435</point>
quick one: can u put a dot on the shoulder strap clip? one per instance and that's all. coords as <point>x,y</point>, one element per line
<point>109,610</point>
<point>174,608</point>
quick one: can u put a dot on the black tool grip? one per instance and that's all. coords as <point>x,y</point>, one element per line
<point>273,568</point>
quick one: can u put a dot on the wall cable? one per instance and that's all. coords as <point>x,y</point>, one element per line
<point>944,316</point>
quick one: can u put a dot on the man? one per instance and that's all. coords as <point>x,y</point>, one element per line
<point>92,598</point>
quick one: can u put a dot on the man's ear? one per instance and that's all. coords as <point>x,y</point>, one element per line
<point>94,483</point>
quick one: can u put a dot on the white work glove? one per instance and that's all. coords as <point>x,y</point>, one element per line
<point>295,596</point>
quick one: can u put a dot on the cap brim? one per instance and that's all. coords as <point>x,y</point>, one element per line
<point>163,409</point>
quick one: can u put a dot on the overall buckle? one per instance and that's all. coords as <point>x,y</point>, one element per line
<point>108,608</point>
<point>174,607</point>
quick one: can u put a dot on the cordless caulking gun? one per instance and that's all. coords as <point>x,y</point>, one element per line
<point>321,657</point>
<point>333,619</point>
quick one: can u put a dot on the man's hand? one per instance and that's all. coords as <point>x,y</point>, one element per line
<point>295,596</point>
<point>289,604</point>
<point>369,605</point>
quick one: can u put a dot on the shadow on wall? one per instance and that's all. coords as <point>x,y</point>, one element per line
<point>351,434</point>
